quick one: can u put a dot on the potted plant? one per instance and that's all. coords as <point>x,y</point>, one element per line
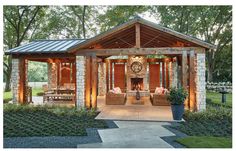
<point>176,97</point>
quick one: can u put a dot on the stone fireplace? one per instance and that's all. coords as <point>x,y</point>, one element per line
<point>137,73</point>
<point>137,84</point>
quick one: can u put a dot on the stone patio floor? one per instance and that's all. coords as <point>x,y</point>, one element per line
<point>129,111</point>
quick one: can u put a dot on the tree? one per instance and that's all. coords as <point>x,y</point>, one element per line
<point>115,15</point>
<point>210,23</point>
<point>18,21</point>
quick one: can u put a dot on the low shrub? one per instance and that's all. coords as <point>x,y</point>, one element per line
<point>40,94</point>
<point>215,121</point>
<point>6,100</point>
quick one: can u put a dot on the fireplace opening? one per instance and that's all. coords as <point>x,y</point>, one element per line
<point>137,83</point>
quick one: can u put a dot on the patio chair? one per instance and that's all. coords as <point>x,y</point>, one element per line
<point>114,98</point>
<point>159,98</point>
<point>46,91</point>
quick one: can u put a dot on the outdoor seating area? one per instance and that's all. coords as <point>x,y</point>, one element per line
<point>60,93</point>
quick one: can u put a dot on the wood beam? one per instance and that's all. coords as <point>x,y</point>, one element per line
<point>88,83</point>
<point>139,51</point>
<point>94,76</point>
<point>107,74</point>
<point>163,74</point>
<point>192,84</point>
<point>44,55</point>
<point>167,74</point>
<point>110,75</point>
<point>22,81</point>
<point>137,35</point>
<point>185,75</point>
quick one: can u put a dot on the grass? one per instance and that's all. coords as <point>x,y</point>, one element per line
<point>27,121</point>
<point>215,98</point>
<point>205,142</point>
<point>7,96</point>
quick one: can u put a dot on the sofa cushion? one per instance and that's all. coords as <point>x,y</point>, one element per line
<point>161,90</point>
<point>117,90</point>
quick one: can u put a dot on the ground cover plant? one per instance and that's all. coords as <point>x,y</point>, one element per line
<point>23,121</point>
<point>207,129</point>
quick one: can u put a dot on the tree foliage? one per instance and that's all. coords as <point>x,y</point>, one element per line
<point>18,21</point>
<point>210,23</point>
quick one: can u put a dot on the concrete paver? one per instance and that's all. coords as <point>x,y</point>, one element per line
<point>133,134</point>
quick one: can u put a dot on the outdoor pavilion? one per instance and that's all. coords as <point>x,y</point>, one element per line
<point>86,63</point>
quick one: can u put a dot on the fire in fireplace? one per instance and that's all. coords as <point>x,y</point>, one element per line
<point>137,83</point>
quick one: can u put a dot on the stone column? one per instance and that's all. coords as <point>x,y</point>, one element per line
<point>80,81</point>
<point>52,75</point>
<point>15,80</point>
<point>173,75</point>
<point>200,82</point>
<point>101,79</point>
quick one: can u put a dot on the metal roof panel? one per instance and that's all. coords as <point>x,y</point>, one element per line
<point>45,46</point>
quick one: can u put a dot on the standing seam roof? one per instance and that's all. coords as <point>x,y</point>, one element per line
<point>46,46</point>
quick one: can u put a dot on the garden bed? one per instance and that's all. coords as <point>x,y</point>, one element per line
<point>214,125</point>
<point>23,121</point>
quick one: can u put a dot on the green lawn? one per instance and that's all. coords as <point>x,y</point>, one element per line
<point>206,142</point>
<point>216,98</point>
<point>7,96</point>
<point>23,121</point>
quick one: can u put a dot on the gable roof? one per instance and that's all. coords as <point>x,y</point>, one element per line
<point>146,23</point>
<point>46,46</point>
<point>71,45</point>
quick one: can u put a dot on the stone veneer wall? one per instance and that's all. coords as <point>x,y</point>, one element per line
<point>141,74</point>
<point>200,82</point>
<point>174,74</point>
<point>101,79</point>
<point>80,81</point>
<point>15,80</point>
<point>52,75</point>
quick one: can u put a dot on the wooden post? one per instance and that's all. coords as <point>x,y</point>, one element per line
<point>88,83</point>
<point>185,75</point>
<point>107,74</point>
<point>163,74</point>
<point>22,81</point>
<point>192,84</point>
<point>137,35</point>
<point>110,74</point>
<point>170,74</point>
<point>167,75</point>
<point>94,76</point>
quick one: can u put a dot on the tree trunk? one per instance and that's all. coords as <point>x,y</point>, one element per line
<point>8,83</point>
<point>210,72</point>
<point>8,75</point>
